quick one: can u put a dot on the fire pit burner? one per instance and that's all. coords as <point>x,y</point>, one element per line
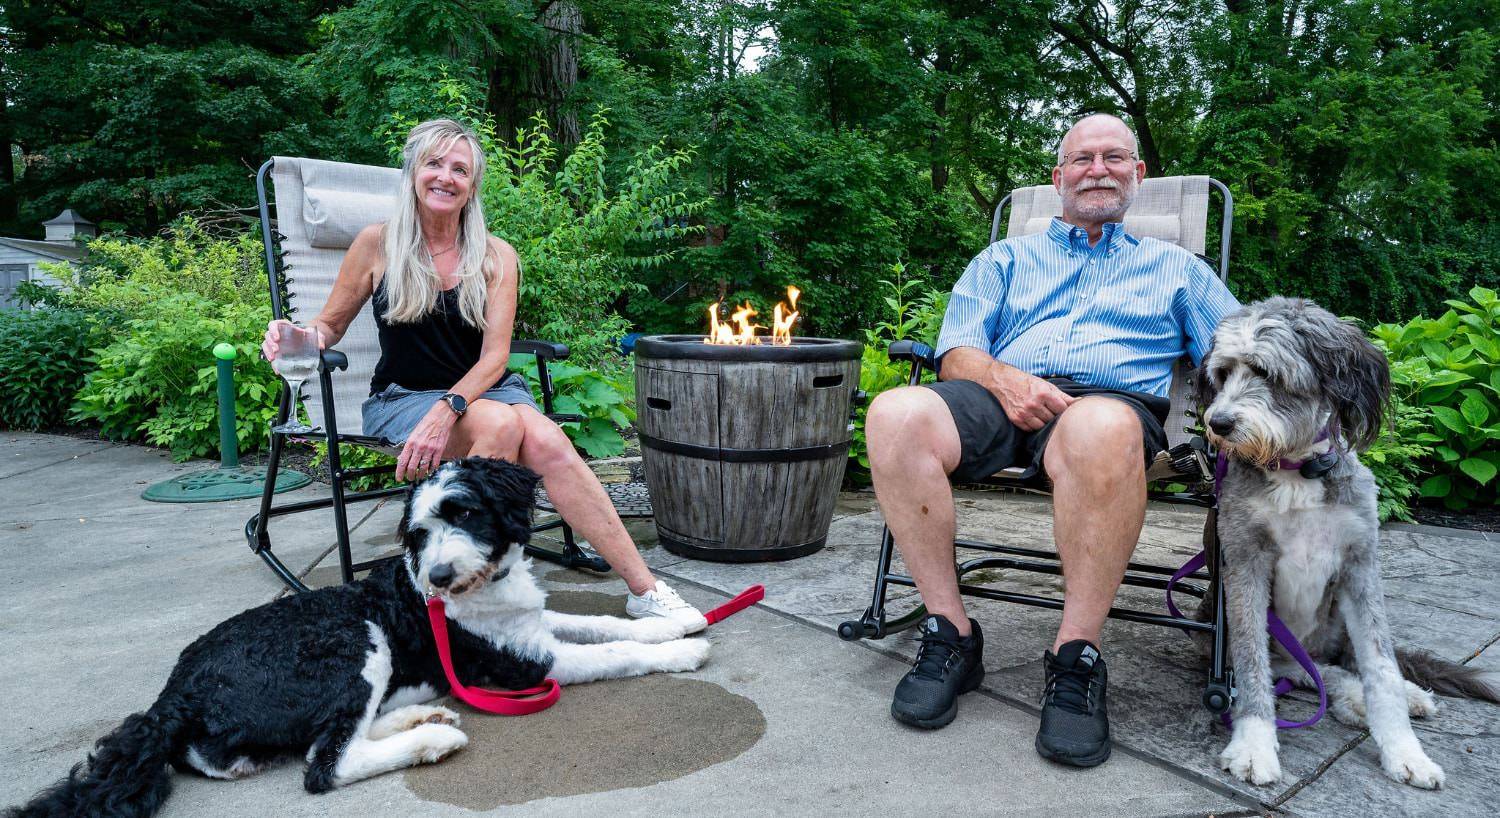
<point>744,446</point>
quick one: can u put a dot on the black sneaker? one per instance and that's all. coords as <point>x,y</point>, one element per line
<point>1075,722</point>
<point>947,665</point>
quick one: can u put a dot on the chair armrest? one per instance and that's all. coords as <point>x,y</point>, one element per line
<point>914,351</point>
<point>333,359</point>
<point>557,417</point>
<point>543,350</point>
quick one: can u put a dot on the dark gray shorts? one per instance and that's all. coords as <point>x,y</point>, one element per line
<point>394,411</point>
<point>990,442</point>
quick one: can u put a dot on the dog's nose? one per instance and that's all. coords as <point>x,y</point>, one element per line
<point>1221,422</point>
<point>440,574</point>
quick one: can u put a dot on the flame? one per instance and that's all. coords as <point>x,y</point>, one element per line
<point>742,331</point>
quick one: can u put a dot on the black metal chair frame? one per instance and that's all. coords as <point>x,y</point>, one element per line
<point>257,534</point>
<point>1218,692</point>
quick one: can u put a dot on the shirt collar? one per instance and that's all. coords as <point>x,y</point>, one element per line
<point>1111,237</point>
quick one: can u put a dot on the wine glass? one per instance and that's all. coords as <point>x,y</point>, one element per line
<point>296,361</point>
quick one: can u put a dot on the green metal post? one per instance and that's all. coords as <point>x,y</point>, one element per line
<point>229,443</point>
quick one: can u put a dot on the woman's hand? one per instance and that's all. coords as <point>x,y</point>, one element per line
<point>424,448</point>
<point>270,346</point>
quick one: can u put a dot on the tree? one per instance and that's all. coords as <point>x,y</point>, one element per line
<point>135,111</point>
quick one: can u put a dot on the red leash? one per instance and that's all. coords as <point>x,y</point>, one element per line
<point>502,702</point>
<point>745,599</point>
<point>546,694</point>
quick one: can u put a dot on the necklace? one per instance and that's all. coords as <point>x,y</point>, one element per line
<point>431,254</point>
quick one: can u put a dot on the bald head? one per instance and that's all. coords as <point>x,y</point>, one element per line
<point>1098,125</point>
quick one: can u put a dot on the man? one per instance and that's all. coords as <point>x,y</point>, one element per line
<point>1056,354</point>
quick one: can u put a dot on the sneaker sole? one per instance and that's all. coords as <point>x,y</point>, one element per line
<point>1092,760</point>
<point>969,684</point>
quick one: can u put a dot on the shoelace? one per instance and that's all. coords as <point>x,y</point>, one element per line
<point>1070,689</point>
<point>935,656</point>
<point>667,597</point>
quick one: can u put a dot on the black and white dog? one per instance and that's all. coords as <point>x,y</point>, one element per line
<point>340,673</point>
<point>1291,393</point>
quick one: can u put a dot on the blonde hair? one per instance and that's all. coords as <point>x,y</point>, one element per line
<point>411,282</point>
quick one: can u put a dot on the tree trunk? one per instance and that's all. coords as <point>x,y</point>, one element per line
<point>9,216</point>
<point>936,144</point>
<point>555,70</point>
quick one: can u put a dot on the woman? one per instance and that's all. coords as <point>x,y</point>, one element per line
<point>444,295</point>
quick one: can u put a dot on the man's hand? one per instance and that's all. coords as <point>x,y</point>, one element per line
<point>423,451</point>
<point>1029,401</point>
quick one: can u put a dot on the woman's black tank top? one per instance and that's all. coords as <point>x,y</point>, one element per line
<point>434,352</point>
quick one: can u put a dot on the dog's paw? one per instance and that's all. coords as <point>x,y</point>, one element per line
<point>1251,754</point>
<point>682,655</point>
<point>406,718</point>
<point>1346,701</point>
<point>1420,703</point>
<point>655,629</point>
<point>437,742</point>
<point>1409,765</point>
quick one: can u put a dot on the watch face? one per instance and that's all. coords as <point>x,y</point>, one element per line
<point>457,403</point>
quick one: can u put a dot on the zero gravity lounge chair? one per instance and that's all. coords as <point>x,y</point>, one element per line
<point>319,208</point>
<point>1173,209</point>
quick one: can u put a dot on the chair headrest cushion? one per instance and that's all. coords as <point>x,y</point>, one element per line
<point>335,217</point>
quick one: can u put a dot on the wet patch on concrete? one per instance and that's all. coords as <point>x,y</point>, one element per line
<point>600,737</point>
<point>590,603</point>
<point>568,576</point>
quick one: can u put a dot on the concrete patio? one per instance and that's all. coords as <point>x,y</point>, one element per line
<point>102,590</point>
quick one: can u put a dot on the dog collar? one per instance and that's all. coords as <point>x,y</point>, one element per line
<point>1313,467</point>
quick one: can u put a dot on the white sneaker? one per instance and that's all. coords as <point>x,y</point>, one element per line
<point>663,601</point>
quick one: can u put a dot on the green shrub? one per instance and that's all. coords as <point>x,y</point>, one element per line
<point>604,396</point>
<point>43,360</point>
<point>160,305</point>
<point>915,315</point>
<point>157,379</point>
<point>1450,367</point>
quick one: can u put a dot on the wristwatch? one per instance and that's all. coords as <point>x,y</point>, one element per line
<point>455,402</point>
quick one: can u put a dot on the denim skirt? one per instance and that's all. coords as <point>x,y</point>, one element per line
<point>394,411</point>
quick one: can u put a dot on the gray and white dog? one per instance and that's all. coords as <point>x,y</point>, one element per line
<point>1287,383</point>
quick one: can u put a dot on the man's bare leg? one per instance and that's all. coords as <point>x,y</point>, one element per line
<point>1096,461</point>
<point>914,445</point>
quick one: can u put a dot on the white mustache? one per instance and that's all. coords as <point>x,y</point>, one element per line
<point>1107,182</point>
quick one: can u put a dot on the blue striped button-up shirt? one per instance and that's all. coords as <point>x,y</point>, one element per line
<point>1115,315</point>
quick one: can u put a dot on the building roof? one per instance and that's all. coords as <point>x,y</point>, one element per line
<point>69,216</point>
<point>50,249</point>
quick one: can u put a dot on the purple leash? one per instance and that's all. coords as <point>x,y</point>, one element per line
<point>1278,629</point>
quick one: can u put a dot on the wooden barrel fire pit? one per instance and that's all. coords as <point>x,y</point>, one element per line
<point>744,446</point>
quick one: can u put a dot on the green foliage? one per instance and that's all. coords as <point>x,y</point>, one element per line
<point>139,111</point>
<point>359,457</point>
<point>160,305</point>
<point>43,360</point>
<point>913,313</point>
<point>157,380</point>
<point>1396,457</point>
<point>604,396</point>
<point>1450,366</point>
<point>583,242</point>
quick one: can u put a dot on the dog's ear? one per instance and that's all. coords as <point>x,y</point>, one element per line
<point>1204,390</point>
<point>1355,374</point>
<point>507,489</point>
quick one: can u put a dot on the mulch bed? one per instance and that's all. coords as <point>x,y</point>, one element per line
<point>1474,519</point>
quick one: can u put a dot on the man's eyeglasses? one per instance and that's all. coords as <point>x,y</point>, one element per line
<point>1115,158</point>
